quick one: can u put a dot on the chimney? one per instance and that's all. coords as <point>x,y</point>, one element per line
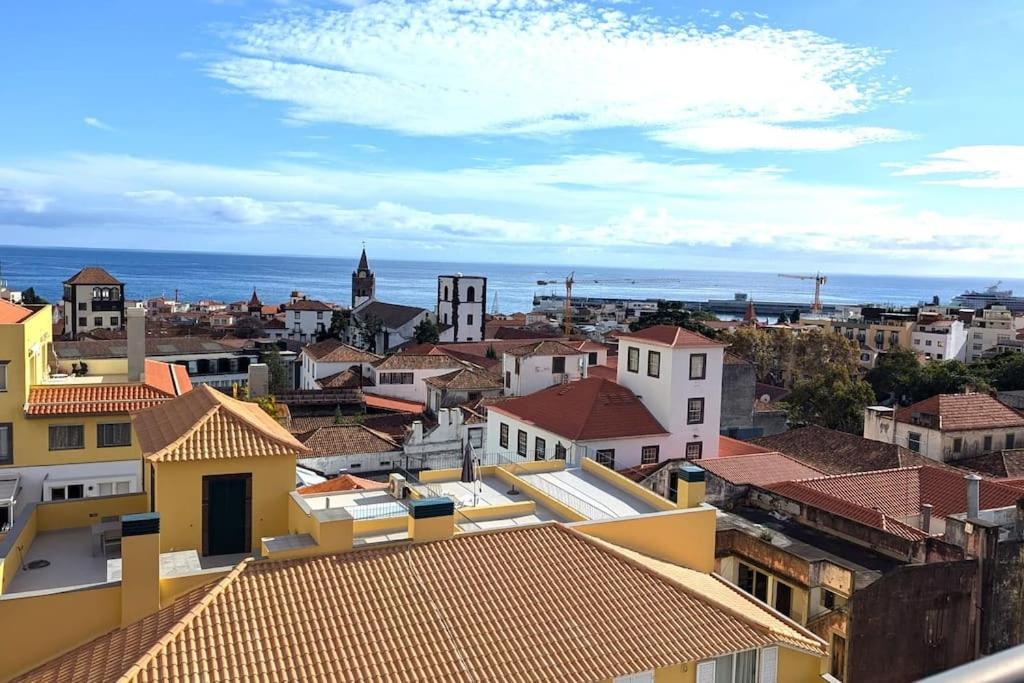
<point>926,518</point>
<point>431,519</point>
<point>973,495</point>
<point>690,487</point>
<point>140,566</point>
<point>136,319</point>
<point>259,380</point>
<point>417,432</point>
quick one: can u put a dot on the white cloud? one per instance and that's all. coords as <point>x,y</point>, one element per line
<point>731,135</point>
<point>993,166</point>
<point>604,201</point>
<point>489,67</point>
<point>94,122</point>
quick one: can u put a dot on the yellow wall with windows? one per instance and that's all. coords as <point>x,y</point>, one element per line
<point>32,442</point>
<point>179,497</point>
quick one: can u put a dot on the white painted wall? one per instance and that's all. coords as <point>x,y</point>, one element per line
<point>933,443</point>
<point>940,342</point>
<point>417,391</point>
<point>304,325</point>
<point>534,372</point>
<point>35,479</point>
<point>470,313</point>
<point>313,370</point>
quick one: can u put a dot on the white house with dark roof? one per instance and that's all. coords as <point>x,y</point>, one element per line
<point>403,375</point>
<point>330,357</point>
<point>540,364</point>
<point>93,300</point>
<point>392,325</point>
<point>305,319</point>
<point>459,387</point>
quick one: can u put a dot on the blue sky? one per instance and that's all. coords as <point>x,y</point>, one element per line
<point>841,136</point>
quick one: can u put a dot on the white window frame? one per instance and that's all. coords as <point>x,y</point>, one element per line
<point>91,486</point>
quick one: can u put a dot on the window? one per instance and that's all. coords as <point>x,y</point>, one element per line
<point>82,306</point>
<point>753,581</point>
<point>6,443</point>
<point>837,663</point>
<point>914,441</point>
<point>592,358</point>
<point>694,450</point>
<point>1011,441</point>
<point>698,365</point>
<point>3,375</point>
<point>521,443</point>
<point>653,364</point>
<point>115,321</point>
<point>986,444</point>
<point>732,668</point>
<point>508,379</point>
<point>395,378</point>
<point>517,365</point>
<point>928,342</point>
<point>958,445</point>
<point>66,437</point>
<point>471,295</point>
<point>5,518</point>
<point>633,359</point>
<point>446,293</point>
<point>558,365</point>
<point>82,322</point>
<point>540,448</point>
<point>469,318</point>
<point>559,451</point>
<point>69,492</point>
<point>296,315</point>
<point>783,598</point>
<point>606,457</point>
<point>649,455</point>
<point>476,437</point>
<point>828,599</point>
<point>114,434</point>
<point>319,315</point>
<point>695,411</point>
<point>503,435</point>
<point>110,488</point>
<point>97,321</point>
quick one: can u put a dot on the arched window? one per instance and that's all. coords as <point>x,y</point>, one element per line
<point>471,294</point>
<point>445,293</point>
<point>95,292</point>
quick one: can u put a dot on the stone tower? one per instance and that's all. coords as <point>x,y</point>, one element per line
<point>363,282</point>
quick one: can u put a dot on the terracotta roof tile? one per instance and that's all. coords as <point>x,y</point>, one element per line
<point>205,424</point>
<point>835,452</point>
<point>431,612</point>
<point>465,379</point>
<point>959,412</point>
<point>92,275</point>
<point>999,464</point>
<point>347,440</point>
<point>345,482</point>
<point>162,383</point>
<point>11,314</point>
<point>759,469</point>
<point>729,447</point>
<point>337,351</point>
<point>669,335</point>
<point>592,408</point>
<point>408,361</point>
<point>545,347</point>
<point>397,405</point>
<point>306,305</point>
<point>604,371</point>
<point>346,379</point>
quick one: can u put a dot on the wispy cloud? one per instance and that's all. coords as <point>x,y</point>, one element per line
<point>555,66</point>
<point>94,122</point>
<point>992,166</point>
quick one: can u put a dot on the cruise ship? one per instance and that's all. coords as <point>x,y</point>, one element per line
<point>990,296</point>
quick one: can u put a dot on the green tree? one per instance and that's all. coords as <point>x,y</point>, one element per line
<point>832,399</point>
<point>794,317</point>
<point>369,329</point>
<point>338,417</point>
<point>339,325</point>
<point>276,368</point>
<point>426,332</point>
<point>248,327</point>
<point>947,377</point>
<point>29,297</point>
<point>896,376</point>
<point>782,319</point>
<point>491,353</point>
<point>782,357</point>
<point>1004,372</point>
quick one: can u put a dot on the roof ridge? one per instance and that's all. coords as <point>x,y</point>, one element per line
<point>175,629</point>
<point>847,475</point>
<point>245,421</point>
<point>158,456</point>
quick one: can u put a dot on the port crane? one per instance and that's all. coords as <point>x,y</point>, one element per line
<point>570,280</point>
<point>819,280</point>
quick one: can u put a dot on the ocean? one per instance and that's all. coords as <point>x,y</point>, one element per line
<point>232,277</point>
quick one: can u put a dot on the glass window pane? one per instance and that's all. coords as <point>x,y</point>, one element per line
<point>746,667</point>
<point>723,669</point>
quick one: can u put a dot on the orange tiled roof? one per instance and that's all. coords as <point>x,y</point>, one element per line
<point>162,383</point>
<point>393,404</point>
<point>729,447</point>
<point>205,424</point>
<point>92,275</point>
<point>591,408</point>
<point>430,612</point>
<point>758,469</point>
<point>465,379</point>
<point>347,440</point>
<point>959,412</point>
<point>669,335</point>
<point>546,347</point>
<point>345,482</point>
<point>12,313</point>
<point>346,379</point>
<point>337,351</point>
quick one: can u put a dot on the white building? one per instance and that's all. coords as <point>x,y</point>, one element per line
<point>349,449</point>
<point>460,387</point>
<point>328,358</point>
<point>678,375</point>
<point>305,319</point>
<point>93,299</point>
<point>403,375</point>
<point>948,426</point>
<point>461,305</point>
<point>538,365</point>
<point>380,326</point>
<point>939,339</point>
<point>990,327</point>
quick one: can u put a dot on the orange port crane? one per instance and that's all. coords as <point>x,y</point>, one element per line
<point>570,280</point>
<point>819,280</point>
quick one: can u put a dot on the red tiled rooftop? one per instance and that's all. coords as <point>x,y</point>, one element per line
<point>12,313</point>
<point>393,404</point>
<point>162,383</point>
<point>959,412</point>
<point>345,482</point>
<point>669,335</point>
<point>759,469</point>
<point>603,371</point>
<point>729,447</point>
<point>592,408</point>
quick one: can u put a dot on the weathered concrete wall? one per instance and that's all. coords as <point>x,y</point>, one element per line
<point>771,422</point>
<point>737,396</point>
<point>721,493</point>
<point>1004,599</point>
<point>763,554</point>
<point>914,621</point>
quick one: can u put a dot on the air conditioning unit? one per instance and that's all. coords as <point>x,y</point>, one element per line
<point>397,486</point>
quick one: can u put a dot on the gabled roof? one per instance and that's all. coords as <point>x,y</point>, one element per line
<point>267,620</point>
<point>337,351</point>
<point>835,452</point>
<point>162,382</point>
<point>92,275</point>
<point>392,316</point>
<point>999,464</point>
<point>961,412</point>
<point>392,404</point>
<point>759,469</point>
<point>347,440</point>
<point>545,347</point>
<point>465,379</point>
<point>729,447</point>
<point>306,305</point>
<point>205,424</point>
<point>670,335</point>
<point>346,379</point>
<point>408,361</point>
<point>345,482</point>
<point>155,346</point>
<point>588,409</point>
<point>11,314</point>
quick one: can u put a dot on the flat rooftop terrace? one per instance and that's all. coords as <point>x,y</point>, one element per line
<point>588,494</point>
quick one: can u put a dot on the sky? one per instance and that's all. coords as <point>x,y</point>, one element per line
<point>834,135</point>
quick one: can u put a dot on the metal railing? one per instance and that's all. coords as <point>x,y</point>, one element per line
<point>377,510</point>
<point>585,508</point>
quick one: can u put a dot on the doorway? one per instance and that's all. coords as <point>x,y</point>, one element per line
<point>227,514</point>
